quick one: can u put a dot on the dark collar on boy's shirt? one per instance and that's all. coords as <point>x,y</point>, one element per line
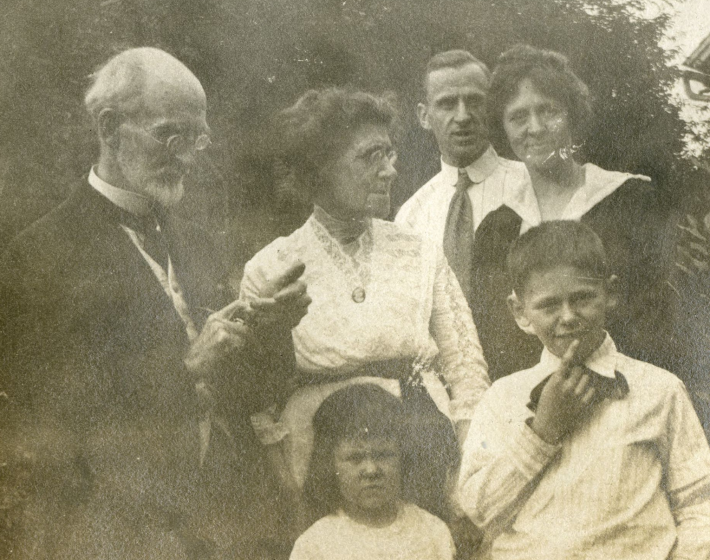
<point>608,382</point>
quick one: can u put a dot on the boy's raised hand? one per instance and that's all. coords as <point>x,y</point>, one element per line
<point>565,400</point>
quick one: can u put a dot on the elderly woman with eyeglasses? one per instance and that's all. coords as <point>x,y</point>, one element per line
<point>541,109</point>
<point>380,313</point>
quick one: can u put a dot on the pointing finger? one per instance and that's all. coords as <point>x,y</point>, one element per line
<point>237,309</point>
<point>294,291</point>
<point>292,274</point>
<point>232,327</point>
<point>263,304</point>
<point>568,359</point>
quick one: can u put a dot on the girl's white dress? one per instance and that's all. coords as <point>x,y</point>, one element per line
<point>414,535</point>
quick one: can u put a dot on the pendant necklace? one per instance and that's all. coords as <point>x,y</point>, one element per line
<point>358,273</point>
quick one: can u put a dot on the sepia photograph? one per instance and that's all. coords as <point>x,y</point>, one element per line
<point>355,280</point>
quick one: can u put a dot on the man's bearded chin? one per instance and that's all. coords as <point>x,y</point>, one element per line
<point>160,187</point>
<point>165,193</point>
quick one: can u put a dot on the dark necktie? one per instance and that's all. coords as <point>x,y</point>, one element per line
<point>156,245</point>
<point>151,228</point>
<point>458,233</point>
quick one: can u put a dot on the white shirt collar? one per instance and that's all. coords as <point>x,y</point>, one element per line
<point>602,361</point>
<point>478,171</point>
<point>133,202</point>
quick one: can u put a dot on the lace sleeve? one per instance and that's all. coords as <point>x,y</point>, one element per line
<point>464,367</point>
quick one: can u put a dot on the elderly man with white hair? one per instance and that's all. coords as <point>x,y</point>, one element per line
<point>126,396</point>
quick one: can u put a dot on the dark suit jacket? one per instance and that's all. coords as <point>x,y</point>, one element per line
<point>101,411</point>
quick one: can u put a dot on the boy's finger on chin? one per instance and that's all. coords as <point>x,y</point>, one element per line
<point>568,359</point>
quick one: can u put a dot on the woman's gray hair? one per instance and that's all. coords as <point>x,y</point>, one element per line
<point>319,126</point>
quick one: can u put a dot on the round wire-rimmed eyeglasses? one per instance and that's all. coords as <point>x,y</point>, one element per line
<point>178,144</point>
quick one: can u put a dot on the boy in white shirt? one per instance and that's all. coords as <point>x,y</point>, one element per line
<point>589,454</point>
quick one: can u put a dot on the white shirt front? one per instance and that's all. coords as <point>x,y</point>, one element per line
<point>632,482</point>
<point>140,205</point>
<point>495,182</point>
<point>414,535</point>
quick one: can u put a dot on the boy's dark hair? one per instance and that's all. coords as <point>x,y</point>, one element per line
<point>553,244</point>
<point>359,411</point>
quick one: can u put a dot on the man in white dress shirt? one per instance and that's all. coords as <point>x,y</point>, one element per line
<point>456,84</point>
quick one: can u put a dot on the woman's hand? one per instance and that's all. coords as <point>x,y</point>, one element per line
<point>283,302</point>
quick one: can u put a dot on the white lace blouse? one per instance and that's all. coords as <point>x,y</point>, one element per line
<point>412,307</point>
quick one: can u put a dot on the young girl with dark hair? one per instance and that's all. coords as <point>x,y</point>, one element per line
<point>357,481</point>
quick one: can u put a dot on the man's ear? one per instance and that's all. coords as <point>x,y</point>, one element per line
<point>108,123</point>
<point>612,291</point>
<point>423,114</point>
<point>518,310</point>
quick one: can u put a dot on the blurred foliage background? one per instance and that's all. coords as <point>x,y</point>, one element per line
<point>255,57</point>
